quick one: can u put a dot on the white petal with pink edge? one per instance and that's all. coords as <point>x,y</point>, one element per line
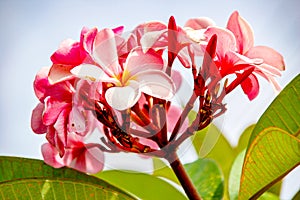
<point>105,52</point>
<point>92,72</point>
<point>156,83</point>
<point>149,39</point>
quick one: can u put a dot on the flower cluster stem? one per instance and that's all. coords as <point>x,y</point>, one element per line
<point>183,178</point>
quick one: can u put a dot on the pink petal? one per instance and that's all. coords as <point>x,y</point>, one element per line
<point>118,30</point>
<point>242,32</point>
<point>122,98</point>
<point>226,40</point>
<point>60,73</point>
<point>156,83</point>
<point>90,159</point>
<point>250,87</point>
<point>36,119</point>
<point>138,61</point>
<point>105,52</point>
<point>52,110</point>
<point>68,53</point>
<point>269,77</point>
<point>41,83</point>
<point>177,78</point>
<point>61,125</point>
<point>268,70</point>
<point>173,115</point>
<point>76,121</point>
<point>199,23</point>
<point>153,26</point>
<point>269,56</point>
<point>151,40</point>
<point>51,156</point>
<point>42,88</point>
<point>87,39</point>
<point>275,84</point>
<point>184,58</point>
<point>55,141</point>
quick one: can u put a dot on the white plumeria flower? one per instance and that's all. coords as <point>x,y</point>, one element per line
<point>142,72</point>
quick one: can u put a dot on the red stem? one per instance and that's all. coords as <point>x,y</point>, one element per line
<point>183,115</point>
<point>183,178</point>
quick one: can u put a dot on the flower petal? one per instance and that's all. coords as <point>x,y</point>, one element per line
<point>242,32</point>
<point>51,156</point>
<point>68,53</point>
<point>137,61</point>
<point>122,98</point>
<point>177,78</point>
<point>76,121</point>
<point>36,119</point>
<point>173,115</point>
<point>61,126</point>
<point>226,40</point>
<point>152,40</point>
<point>91,72</point>
<point>269,56</point>
<point>52,110</point>
<point>156,83</point>
<point>199,23</point>
<point>60,73</point>
<point>250,87</point>
<point>118,30</point>
<point>87,39</point>
<point>42,88</point>
<point>105,52</point>
<point>88,159</point>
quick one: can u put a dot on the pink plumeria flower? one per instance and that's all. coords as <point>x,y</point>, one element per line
<point>141,72</point>
<point>271,62</point>
<point>87,158</point>
<point>236,52</point>
<point>60,110</point>
<point>72,53</point>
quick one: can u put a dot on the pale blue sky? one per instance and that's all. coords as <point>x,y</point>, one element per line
<point>32,30</point>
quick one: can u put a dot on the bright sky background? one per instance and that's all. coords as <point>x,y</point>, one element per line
<point>32,30</point>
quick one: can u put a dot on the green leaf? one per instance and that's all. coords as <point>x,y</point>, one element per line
<point>235,176</point>
<point>297,196</point>
<point>13,170</point>
<point>244,139</point>
<point>162,170</point>
<point>207,178</point>
<point>268,196</point>
<point>44,188</point>
<point>210,143</point>
<point>144,186</point>
<point>271,155</point>
<point>284,111</point>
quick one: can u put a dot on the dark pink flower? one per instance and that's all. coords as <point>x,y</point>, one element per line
<point>87,158</point>
<point>271,62</point>
<point>60,111</point>
<point>236,52</point>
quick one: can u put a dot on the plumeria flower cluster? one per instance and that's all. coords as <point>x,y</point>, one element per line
<point>124,87</point>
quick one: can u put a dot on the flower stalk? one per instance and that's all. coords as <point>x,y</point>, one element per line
<point>183,177</point>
